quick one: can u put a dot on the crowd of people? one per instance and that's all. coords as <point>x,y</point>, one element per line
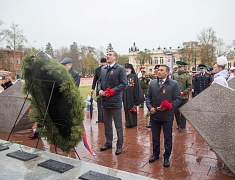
<point>163,94</point>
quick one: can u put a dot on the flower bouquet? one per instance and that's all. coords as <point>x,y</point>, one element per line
<point>108,92</point>
<point>165,104</point>
<point>134,109</point>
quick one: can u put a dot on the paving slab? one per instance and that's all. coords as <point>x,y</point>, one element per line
<point>12,168</point>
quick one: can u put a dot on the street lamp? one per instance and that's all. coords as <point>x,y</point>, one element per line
<point>32,45</point>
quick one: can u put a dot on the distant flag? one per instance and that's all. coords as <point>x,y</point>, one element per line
<point>84,139</point>
<point>43,53</point>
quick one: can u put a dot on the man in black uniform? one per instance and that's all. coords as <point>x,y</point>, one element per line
<point>95,84</point>
<point>201,81</point>
<point>68,63</point>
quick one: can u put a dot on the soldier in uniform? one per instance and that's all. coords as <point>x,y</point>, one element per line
<point>202,80</point>
<point>185,82</point>
<point>144,83</point>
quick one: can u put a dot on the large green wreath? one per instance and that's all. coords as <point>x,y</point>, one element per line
<point>63,121</point>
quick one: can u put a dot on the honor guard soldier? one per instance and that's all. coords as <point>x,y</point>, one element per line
<point>185,82</point>
<point>202,80</point>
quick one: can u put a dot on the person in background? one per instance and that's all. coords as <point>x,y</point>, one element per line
<point>162,89</point>
<point>185,82</point>
<point>68,63</point>
<point>202,80</point>
<point>8,83</point>
<point>132,96</point>
<point>221,75</point>
<point>95,85</point>
<point>193,74</point>
<point>144,83</point>
<point>113,81</point>
<point>231,73</point>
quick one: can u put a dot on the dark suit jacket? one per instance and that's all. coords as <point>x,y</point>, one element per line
<point>170,91</point>
<point>95,80</point>
<point>75,76</point>
<point>114,78</point>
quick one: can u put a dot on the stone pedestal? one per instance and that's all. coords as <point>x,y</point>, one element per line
<point>12,100</point>
<point>212,114</point>
<point>231,83</point>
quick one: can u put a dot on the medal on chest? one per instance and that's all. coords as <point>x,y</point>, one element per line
<point>163,91</point>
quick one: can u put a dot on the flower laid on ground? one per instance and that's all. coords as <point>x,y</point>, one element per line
<point>108,92</point>
<point>165,104</point>
<point>134,109</point>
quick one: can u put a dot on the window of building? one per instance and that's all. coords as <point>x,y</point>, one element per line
<point>155,60</point>
<point>150,61</point>
<point>18,61</point>
<point>150,71</point>
<point>161,60</point>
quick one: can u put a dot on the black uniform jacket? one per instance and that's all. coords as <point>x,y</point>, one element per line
<point>75,75</point>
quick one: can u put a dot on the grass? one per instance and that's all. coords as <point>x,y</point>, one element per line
<point>85,91</point>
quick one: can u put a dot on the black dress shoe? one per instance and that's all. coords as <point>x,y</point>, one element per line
<point>153,158</point>
<point>166,163</point>
<point>34,136</point>
<point>148,126</point>
<point>118,151</point>
<point>105,147</point>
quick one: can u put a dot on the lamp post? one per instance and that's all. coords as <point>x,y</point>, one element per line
<point>32,45</point>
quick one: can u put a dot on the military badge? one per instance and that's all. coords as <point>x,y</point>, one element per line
<point>163,91</point>
<point>111,72</point>
<point>132,81</point>
<point>182,79</point>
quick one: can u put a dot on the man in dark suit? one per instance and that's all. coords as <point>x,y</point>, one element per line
<point>161,89</point>
<point>113,78</point>
<point>95,85</point>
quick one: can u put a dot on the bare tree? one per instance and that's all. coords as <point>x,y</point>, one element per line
<point>3,32</point>
<point>15,40</point>
<point>208,41</point>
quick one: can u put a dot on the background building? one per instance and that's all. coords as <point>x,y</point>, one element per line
<point>7,62</point>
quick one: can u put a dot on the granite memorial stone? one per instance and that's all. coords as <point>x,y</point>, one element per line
<point>231,83</point>
<point>12,100</point>
<point>212,114</point>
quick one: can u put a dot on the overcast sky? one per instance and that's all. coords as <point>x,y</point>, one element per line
<point>97,23</point>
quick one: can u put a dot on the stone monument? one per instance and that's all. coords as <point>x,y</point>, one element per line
<point>12,100</point>
<point>212,114</point>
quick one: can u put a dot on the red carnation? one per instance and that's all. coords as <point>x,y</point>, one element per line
<point>133,110</point>
<point>109,92</point>
<point>182,93</point>
<point>166,104</point>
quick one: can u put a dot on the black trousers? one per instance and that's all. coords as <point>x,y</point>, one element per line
<point>180,119</point>
<point>110,115</point>
<point>167,131</point>
<point>100,110</point>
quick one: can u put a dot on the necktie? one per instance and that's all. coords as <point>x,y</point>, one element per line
<point>109,67</point>
<point>160,83</point>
